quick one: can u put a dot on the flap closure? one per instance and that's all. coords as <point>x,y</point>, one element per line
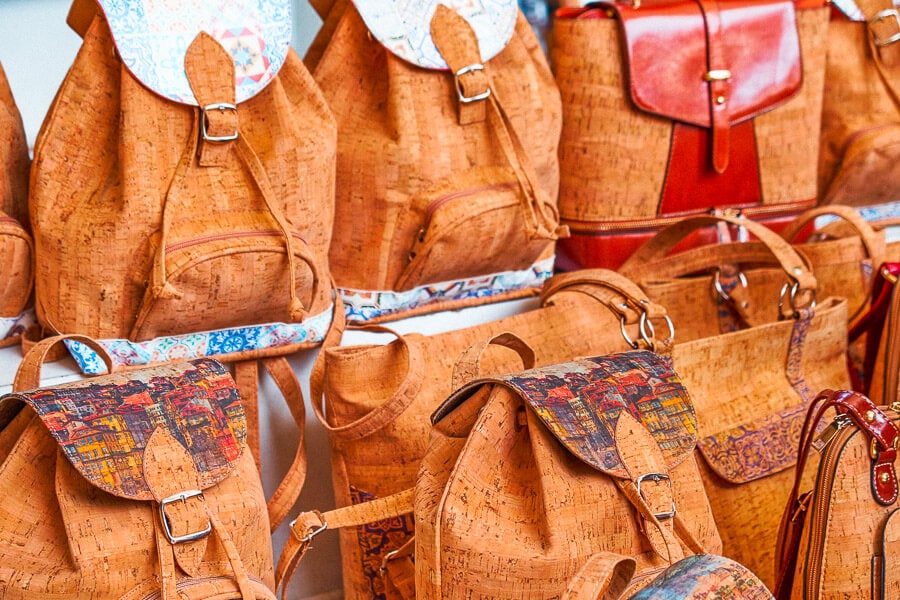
<point>404,26</point>
<point>669,45</point>
<point>104,424</point>
<point>754,450</point>
<point>580,403</point>
<point>153,37</point>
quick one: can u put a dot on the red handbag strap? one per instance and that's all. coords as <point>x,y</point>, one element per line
<point>873,322</point>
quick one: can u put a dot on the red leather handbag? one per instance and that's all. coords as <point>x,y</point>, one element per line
<point>731,120</point>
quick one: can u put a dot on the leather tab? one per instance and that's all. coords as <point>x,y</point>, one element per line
<point>210,72</point>
<point>883,446</point>
<point>456,41</point>
<point>169,470</point>
<point>717,76</point>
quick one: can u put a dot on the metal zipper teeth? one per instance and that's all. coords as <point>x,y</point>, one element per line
<point>434,205</point>
<point>819,511</point>
<point>658,222</point>
<point>226,236</point>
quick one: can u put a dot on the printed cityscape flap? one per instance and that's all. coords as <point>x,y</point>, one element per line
<point>103,424</point>
<point>404,26</point>
<point>152,38</point>
<point>580,403</point>
<point>678,50</point>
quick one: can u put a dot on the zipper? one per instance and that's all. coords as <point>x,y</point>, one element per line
<point>226,236</point>
<point>819,515</point>
<point>651,223</point>
<point>185,583</point>
<point>438,203</point>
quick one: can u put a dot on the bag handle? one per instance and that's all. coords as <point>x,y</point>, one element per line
<point>642,263</point>
<point>872,240</point>
<point>605,576</point>
<point>28,375</point>
<point>468,366</point>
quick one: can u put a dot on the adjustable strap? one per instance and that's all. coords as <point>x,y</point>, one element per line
<point>28,375</point>
<point>717,76</point>
<point>468,366</point>
<point>458,45</point>
<point>309,524</point>
<point>883,24</point>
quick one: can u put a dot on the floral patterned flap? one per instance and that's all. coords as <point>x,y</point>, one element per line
<point>580,403</point>
<point>404,26</point>
<point>103,424</point>
<point>152,37</point>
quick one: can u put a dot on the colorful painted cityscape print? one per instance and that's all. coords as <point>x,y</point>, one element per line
<point>580,403</point>
<point>103,426</point>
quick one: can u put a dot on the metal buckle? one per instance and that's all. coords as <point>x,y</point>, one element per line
<point>388,557</point>
<point>204,122</point>
<point>459,91</point>
<point>881,16</point>
<point>656,478</point>
<point>306,539</point>
<point>717,75</point>
<point>182,497</point>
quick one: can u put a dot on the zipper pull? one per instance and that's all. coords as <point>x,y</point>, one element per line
<point>823,439</point>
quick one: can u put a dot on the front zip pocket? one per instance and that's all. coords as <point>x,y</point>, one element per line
<point>470,226</point>
<point>233,279</point>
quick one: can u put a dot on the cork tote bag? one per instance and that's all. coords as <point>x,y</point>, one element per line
<point>732,120</point>
<point>16,246</point>
<point>717,288</point>
<point>134,485</point>
<point>530,474</point>
<point>860,138</point>
<point>378,398</point>
<point>839,537</point>
<point>200,167</point>
<point>448,124</point>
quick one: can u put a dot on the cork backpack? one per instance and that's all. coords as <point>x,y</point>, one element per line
<point>183,183</point>
<point>448,123</point>
<point>16,247</point>
<point>131,485</point>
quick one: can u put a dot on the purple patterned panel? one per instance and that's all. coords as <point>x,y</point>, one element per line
<point>580,403</point>
<point>103,424</point>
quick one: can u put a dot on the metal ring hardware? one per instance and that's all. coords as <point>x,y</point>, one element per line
<point>204,122</point>
<point>656,478</point>
<point>628,340</point>
<point>459,91</point>
<point>795,288</point>
<point>181,497</point>
<point>717,75</point>
<point>873,448</point>
<point>648,332</point>
<point>888,13</point>
<point>717,284</point>
<point>388,557</point>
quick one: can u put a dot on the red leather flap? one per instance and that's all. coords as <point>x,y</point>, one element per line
<point>668,52</point>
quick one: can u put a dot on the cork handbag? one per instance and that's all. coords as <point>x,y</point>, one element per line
<point>131,485</point>
<point>448,123</point>
<point>838,539</point>
<point>16,246</point>
<point>721,287</point>
<point>378,397</point>
<point>530,474</point>
<point>875,367</point>
<point>860,138</point>
<point>201,167</point>
<point>731,120</point>
<point>750,388</point>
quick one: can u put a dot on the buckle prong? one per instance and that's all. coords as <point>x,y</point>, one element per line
<point>656,478</point>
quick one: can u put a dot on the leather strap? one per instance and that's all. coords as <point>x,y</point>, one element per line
<point>605,576</point>
<point>309,524</point>
<point>28,375</point>
<point>210,71</point>
<point>882,24</point>
<point>246,378</point>
<point>456,41</point>
<point>468,366</point>
<point>639,265</point>
<point>720,121</point>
